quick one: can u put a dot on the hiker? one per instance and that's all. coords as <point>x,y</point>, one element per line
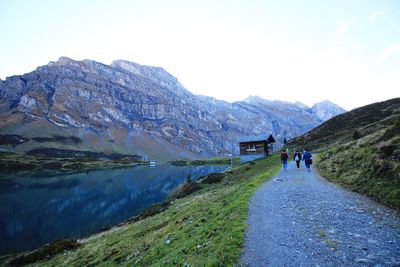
<point>284,158</point>
<point>297,158</point>
<point>307,157</point>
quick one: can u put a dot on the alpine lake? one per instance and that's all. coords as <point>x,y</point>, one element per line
<point>38,209</point>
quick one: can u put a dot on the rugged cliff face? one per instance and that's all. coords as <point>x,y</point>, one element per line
<point>129,108</point>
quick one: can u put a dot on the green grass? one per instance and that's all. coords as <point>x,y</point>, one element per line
<point>364,169</point>
<point>331,243</point>
<point>202,229</point>
<point>321,233</point>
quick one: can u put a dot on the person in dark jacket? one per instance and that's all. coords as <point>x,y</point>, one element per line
<point>307,157</point>
<point>284,158</point>
<point>297,158</point>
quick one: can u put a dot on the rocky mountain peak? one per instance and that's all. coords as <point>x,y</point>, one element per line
<point>326,110</point>
<point>139,69</point>
<point>156,74</point>
<point>63,61</point>
<point>301,105</point>
<point>325,103</point>
<point>256,100</point>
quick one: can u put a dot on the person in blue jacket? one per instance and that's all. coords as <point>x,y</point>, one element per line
<point>307,157</point>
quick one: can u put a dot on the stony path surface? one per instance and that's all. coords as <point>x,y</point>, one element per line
<point>299,219</point>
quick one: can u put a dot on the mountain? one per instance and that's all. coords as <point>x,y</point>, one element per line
<point>296,120</point>
<point>129,108</point>
<point>326,110</point>
<point>302,105</point>
<point>360,150</point>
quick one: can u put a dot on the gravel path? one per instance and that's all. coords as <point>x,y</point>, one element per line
<point>299,219</point>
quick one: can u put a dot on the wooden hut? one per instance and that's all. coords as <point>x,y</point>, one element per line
<point>254,147</point>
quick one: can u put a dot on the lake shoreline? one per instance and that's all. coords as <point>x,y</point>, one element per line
<point>13,164</point>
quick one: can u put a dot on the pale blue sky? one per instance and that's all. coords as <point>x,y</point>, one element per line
<point>345,51</point>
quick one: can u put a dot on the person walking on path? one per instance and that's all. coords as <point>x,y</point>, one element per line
<point>284,158</point>
<point>297,158</point>
<point>307,157</point>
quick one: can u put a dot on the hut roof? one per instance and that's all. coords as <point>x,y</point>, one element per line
<point>271,139</point>
<point>255,138</point>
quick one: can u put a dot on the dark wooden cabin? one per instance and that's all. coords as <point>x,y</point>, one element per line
<point>254,147</point>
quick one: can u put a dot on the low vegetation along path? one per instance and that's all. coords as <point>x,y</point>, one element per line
<point>299,219</point>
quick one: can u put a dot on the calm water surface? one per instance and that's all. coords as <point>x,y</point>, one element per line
<point>38,210</point>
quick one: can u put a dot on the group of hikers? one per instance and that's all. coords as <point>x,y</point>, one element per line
<point>297,157</point>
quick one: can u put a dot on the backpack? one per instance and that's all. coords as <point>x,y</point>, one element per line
<point>284,156</point>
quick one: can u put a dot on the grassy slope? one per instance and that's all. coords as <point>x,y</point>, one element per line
<point>360,150</point>
<point>204,229</point>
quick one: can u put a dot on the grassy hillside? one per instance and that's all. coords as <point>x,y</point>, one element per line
<point>205,228</point>
<point>361,150</point>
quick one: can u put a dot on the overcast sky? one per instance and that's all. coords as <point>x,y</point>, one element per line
<point>345,51</point>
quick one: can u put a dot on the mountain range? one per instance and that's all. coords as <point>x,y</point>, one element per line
<point>128,108</point>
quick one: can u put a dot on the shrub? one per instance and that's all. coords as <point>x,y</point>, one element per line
<point>212,178</point>
<point>356,135</point>
<point>388,149</point>
<point>187,189</point>
<point>46,251</point>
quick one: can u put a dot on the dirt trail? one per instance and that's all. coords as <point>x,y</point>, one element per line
<point>299,219</point>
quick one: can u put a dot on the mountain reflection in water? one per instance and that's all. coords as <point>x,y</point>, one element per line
<point>35,211</point>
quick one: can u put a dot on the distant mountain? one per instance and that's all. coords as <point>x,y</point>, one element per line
<point>360,150</point>
<point>129,108</point>
<point>326,110</point>
<point>301,105</point>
